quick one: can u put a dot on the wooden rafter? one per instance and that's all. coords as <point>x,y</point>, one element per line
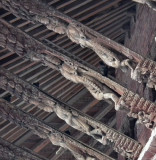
<point>44,131</point>
<point>32,95</point>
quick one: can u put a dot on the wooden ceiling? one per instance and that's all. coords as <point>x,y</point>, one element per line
<point>109,17</point>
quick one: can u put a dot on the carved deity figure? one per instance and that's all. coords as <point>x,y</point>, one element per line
<point>77,35</point>
<point>71,119</point>
<point>145,72</point>
<point>76,122</point>
<point>150,3</point>
<point>97,89</point>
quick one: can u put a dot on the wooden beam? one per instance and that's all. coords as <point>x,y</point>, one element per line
<point>7,111</point>
<point>65,56</point>
<point>35,49</point>
<point>98,117</point>
<point>74,30</point>
<point>40,99</point>
<point>53,12</point>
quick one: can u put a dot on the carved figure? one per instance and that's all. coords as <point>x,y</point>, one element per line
<point>137,107</point>
<point>150,3</point>
<point>97,89</point>
<point>53,24</point>
<point>145,72</point>
<point>71,119</point>
<point>77,35</point>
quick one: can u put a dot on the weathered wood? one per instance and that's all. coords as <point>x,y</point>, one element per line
<point>23,9</point>
<point>73,117</point>
<point>32,49</point>
<point>48,53</point>
<point>10,151</point>
<point>86,37</point>
<point>78,136</point>
<point>28,47</point>
<point>78,149</point>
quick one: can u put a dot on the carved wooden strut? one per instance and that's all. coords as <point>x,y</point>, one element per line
<point>73,117</point>
<point>79,150</point>
<point>23,45</point>
<point>26,46</point>
<point>84,36</point>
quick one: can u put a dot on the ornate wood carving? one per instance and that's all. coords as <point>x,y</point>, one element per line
<point>73,117</point>
<point>95,87</point>
<point>32,49</point>
<point>145,72</point>
<point>138,107</point>
<point>79,34</point>
<point>76,33</point>
<point>9,151</point>
<point>78,149</point>
<point>69,68</point>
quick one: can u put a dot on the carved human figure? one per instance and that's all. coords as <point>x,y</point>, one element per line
<point>150,3</point>
<point>97,89</point>
<point>71,119</point>
<point>77,35</point>
<point>144,73</point>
